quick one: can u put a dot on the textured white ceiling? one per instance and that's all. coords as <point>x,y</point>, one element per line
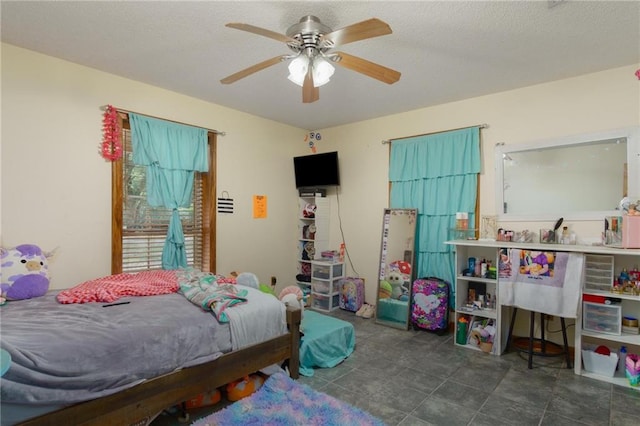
<point>446,51</point>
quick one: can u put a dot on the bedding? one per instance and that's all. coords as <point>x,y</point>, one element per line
<point>67,353</point>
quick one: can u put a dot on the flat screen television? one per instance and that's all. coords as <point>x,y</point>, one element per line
<point>316,170</point>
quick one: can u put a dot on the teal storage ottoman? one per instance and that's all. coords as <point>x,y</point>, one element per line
<point>327,341</point>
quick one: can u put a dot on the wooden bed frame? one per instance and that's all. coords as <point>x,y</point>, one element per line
<point>140,404</point>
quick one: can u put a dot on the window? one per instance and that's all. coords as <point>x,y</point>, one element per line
<point>139,230</point>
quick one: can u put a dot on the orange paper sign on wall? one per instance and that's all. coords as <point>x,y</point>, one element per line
<point>259,206</point>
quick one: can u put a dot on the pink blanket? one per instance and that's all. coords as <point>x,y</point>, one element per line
<point>112,287</point>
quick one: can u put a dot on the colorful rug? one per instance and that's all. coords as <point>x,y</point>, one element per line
<point>282,401</point>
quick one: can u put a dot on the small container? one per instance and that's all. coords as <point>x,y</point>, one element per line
<point>461,332</point>
<point>622,360</point>
<point>565,238</point>
<point>462,220</point>
<point>472,264</point>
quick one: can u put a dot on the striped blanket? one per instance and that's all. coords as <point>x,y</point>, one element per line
<point>113,287</point>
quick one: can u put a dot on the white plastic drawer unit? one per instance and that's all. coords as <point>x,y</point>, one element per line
<point>602,318</point>
<point>598,272</point>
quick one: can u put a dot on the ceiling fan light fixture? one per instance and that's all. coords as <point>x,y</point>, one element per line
<point>322,71</point>
<point>298,68</point>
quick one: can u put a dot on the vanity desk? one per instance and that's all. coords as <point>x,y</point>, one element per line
<point>599,267</point>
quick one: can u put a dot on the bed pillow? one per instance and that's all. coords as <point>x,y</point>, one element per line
<point>24,273</point>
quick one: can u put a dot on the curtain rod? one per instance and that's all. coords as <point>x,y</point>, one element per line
<point>126,111</point>
<point>481,126</point>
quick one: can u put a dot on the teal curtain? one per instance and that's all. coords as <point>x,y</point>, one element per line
<point>437,174</point>
<point>171,153</point>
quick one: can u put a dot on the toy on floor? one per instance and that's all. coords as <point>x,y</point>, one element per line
<point>204,399</point>
<point>244,387</point>
<point>24,273</point>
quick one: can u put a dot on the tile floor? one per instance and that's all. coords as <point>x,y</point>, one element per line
<point>419,378</point>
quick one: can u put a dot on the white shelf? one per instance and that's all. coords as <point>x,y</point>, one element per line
<point>627,338</point>
<point>547,247</point>
<point>630,302</point>
<point>484,313</point>
<point>476,279</point>
<point>463,252</point>
<point>622,296</point>
<point>620,381</point>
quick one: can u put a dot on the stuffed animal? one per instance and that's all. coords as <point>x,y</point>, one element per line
<point>309,211</point>
<point>384,292</point>
<point>244,387</point>
<point>402,266</point>
<point>247,279</point>
<point>292,296</point>
<point>396,279</point>
<point>24,273</point>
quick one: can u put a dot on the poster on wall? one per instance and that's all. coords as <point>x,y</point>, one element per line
<point>259,206</point>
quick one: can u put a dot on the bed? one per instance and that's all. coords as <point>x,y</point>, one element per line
<point>123,362</point>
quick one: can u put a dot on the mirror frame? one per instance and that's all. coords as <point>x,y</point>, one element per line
<point>633,172</point>
<point>383,265</point>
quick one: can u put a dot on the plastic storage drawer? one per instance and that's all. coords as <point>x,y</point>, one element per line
<point>602,318</point>
<point>323,302</point>
<point>325,287</point>
<point>324,271</point>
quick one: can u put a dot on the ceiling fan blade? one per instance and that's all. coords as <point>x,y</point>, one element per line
<point>252,69</point>
<point>362,30</point>
<point>368,68</point>
<point>263,32</point>
<point>309,92</point>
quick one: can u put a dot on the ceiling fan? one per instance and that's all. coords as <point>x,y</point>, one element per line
<point>311,42</point>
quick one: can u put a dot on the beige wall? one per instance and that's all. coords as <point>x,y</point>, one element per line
<point>56,189</point>
<point>594,102</point>
<point>590,103</point>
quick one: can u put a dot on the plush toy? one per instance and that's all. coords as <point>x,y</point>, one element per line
<point>385,290</point>
<point>402,266</point>
<point>292,296</point>
<point>309,232</point>
<point>396,279</point>
<point>244,387</point>
<point>308,251</point>
<point>247,279</point>
<point>309,211</point>
<point>24,273</point>
<point>204,399</point>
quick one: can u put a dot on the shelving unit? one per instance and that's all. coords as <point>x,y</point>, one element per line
<point>602,265</point>
<point>325,285</point>
<point>488,287</point>
<point>313,237</point>
<point>629,306</point>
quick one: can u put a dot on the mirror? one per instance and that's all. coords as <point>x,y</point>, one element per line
<point>578,178</point>
<point>396,267</point>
